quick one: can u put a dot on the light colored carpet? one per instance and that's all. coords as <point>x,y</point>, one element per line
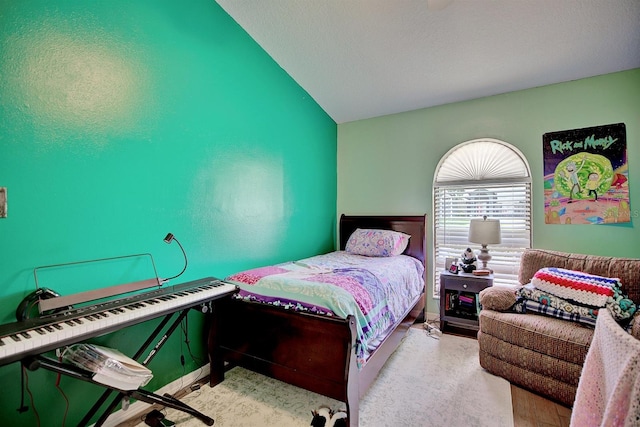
<point>426,382</point>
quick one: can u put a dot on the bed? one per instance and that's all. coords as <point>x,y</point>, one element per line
<point>322,348</point>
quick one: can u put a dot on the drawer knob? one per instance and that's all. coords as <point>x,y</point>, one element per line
<point>464,286</point>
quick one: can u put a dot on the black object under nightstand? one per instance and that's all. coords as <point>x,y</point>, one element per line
<point>459,300</point>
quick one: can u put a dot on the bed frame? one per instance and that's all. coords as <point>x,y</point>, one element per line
<point>314,352</point>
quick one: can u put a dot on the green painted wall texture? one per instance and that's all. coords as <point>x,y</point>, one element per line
<point>121,121</point>
<point>387,164</point>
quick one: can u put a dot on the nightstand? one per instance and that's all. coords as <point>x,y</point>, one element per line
<point>459,301</point>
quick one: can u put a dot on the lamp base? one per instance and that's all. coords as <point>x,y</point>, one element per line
<point>485,257</point>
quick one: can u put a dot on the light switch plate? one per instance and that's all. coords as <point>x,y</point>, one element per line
<point>3,202</point>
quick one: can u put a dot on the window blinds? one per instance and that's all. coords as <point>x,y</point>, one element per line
<point>478,187</point>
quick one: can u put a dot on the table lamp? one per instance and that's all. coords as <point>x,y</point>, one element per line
<point>485,232</point>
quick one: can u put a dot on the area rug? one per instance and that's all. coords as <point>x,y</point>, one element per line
<point>426,382</point>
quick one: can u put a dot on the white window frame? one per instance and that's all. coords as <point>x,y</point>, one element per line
<point>476,178</point>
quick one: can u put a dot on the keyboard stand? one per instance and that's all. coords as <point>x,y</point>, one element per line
<point>34,362</point>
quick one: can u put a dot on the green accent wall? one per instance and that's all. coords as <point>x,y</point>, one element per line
<point>121,121</point>
<point>386,165</point>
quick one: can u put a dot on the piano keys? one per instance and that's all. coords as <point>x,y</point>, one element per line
<point>38,335</point>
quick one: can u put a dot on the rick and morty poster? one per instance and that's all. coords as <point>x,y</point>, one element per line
<point>586,176</point>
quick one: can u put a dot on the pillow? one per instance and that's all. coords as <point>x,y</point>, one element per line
<point>377,243</point>
<point>498,298</point>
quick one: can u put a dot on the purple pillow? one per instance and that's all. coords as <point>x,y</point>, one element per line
<point>377,243</point>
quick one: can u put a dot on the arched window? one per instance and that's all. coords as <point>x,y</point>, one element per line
<point>476,178</point>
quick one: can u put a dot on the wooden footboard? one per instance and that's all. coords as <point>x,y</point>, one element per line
<point>302,349</point>
<point>316,353</point>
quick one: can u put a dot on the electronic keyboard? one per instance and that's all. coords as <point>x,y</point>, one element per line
<point>38,335</point>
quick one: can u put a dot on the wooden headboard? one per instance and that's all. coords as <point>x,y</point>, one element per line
<point>414,225</point>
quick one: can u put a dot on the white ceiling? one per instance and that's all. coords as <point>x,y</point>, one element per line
<point>367,58</point>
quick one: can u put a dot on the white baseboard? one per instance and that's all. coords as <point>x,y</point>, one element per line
<point>139,407</point>
<point>433,317</point>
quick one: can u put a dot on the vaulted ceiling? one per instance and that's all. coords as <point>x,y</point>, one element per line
<point>366,58</point>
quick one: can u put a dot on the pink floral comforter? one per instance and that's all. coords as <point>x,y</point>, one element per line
<point>377,291</point>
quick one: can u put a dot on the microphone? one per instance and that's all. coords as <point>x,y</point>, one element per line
<point>168,239</point>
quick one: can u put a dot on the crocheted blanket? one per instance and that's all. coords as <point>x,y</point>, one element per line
<point>609,388</point>
<point>574,295</point>
<point>576,286</point>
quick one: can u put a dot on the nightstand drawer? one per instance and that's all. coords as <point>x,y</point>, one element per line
<point>466,284</point>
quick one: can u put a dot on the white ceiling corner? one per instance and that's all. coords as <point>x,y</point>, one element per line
<point>366,58</point>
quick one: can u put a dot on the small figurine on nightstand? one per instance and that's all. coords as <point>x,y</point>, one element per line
<point>469,261</point>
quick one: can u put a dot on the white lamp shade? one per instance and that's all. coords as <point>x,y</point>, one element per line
<point>484,231</point>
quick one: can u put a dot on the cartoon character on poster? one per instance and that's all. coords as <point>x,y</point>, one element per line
<point>586,176</point>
